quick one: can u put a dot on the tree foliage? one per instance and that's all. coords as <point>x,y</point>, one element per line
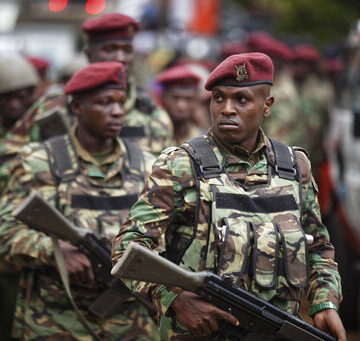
<point>325,21</point>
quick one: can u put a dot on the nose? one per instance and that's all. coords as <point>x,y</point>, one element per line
<point>118,109</point>
<point>228,108</point>
<point>120,56</point>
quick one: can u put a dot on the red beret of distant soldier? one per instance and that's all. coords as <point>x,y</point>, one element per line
<point>180,75</point>
<point>306,53</point>
<point>265,43</point>
<point>40,64</point>
<point>97,75</point>
<point>244,69</point>
<point>111,26</point>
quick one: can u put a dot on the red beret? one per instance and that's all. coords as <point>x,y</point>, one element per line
<point>40,64</point>
<point>97,75</point>
<point>179,75</point>
<point>263,42</point>
<point>109,27</point>
<point>306,53</point>
<point>244,69</point>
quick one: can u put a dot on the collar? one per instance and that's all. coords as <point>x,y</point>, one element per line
<point>236,152</point>
<point>86,156</point>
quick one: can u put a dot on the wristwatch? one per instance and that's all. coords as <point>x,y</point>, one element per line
<point>322,306</point>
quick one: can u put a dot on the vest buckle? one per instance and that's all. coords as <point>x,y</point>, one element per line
<point>210,171</point>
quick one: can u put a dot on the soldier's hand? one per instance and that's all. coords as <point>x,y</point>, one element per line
<point>329,322</point>
<point>200,317</point>
<point>77,264</point>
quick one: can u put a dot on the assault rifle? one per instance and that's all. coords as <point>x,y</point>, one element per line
<point>256,316</point>
<point>37,213</point>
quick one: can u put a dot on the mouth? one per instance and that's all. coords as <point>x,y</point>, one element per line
<point>228,124</point>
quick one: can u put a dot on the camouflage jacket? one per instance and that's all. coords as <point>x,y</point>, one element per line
<point>163,219</point>
<point>151,125</point>
<point>43,308</point>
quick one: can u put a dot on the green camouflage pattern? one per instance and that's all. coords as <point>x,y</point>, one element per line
<point>163,218</point>
<point>43,310</point>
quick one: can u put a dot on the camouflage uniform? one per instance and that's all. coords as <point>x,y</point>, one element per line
<point>43,309</point>
<point>202,233</point>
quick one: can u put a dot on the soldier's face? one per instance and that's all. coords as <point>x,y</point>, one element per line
<point>180,103</point>
<point>101,112</point>
<point>13,104</point>
<point>112,51</point>
<point>237,112</point>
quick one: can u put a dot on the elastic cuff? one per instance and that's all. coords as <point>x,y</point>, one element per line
<point>322,306</point>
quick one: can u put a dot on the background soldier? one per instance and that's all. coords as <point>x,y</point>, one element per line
<point>73,172</point>
<point>217,200</point>
<point>179,97</point>
<point>18,82</point>
<point>109,39</point>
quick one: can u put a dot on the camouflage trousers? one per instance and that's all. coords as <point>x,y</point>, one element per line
<point>37,318</point>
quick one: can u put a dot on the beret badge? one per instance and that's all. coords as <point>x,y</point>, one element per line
<point>241,73</point>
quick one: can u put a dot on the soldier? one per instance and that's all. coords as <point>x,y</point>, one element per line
<point>18,82</point>
<point>180,98</point>
<point>222,202</point>
<point>76,172</point>
<point>109,38</point>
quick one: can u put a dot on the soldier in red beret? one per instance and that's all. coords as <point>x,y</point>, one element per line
<point>92,177</point>
<point>109,38</point>
<point>239,204</point>
<point>179,97</point>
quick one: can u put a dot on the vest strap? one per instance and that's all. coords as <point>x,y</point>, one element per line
<point>132,132</point>
<point>284,166</point>
<point>103,202</point>
<point>60,161</point>
<point>204,155</point>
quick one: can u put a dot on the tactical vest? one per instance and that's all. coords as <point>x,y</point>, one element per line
<point>255,232</point>
<point>101,208</point>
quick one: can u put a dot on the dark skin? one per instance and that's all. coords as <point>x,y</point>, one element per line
<point>13,105</point>
<point>112,51</point>
<point>236,115</point>
<point>180,103</point>
<point>100,117</point>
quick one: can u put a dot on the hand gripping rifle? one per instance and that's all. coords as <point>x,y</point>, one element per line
<point>38,214</point>
<point>255,315</point>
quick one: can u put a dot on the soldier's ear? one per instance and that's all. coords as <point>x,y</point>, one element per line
<point>75,106</point>
<point>267,106</point>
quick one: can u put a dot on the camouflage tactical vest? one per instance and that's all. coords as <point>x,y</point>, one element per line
<point>101,208</point>
<point>255,232</point>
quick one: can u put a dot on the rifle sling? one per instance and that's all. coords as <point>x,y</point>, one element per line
<point>64,275</point>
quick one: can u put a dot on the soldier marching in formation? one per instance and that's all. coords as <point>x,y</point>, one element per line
<point>233,201</point>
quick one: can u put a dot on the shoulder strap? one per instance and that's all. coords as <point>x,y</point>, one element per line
<point>285,167</point>
<point>205,157</point>
<point>61,164</point>
<point>135,157</point>
<point>143,101</point>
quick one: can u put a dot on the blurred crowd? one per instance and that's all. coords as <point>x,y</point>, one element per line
<point>316,108</point>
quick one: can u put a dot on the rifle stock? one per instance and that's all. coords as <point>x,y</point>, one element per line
<point>255,315</point>
<point>37,213</point>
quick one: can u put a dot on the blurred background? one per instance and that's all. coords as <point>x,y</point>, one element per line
<point>315,46</point>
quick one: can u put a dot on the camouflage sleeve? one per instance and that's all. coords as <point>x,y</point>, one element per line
<point>325,283</point>
<point>20,244</point>
<point>26,129</point>
<point>149,219</point>
<point>162,131</point>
